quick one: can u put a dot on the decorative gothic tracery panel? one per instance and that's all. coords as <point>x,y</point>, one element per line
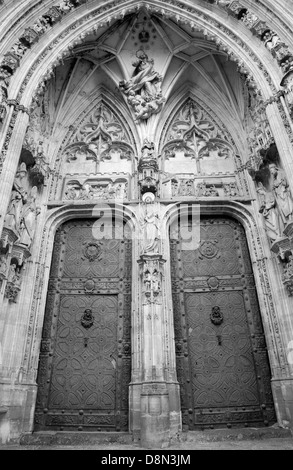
<point>222,363</point>
<point>84,368</point>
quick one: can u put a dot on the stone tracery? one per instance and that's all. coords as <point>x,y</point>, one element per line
<point>193,143</point>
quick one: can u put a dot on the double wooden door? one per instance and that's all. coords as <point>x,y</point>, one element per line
<point>84,367</point>
<point>222,363</point>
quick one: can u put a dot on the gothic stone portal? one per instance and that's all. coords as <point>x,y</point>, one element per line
<point>222,362</point>
<point>84,367</point>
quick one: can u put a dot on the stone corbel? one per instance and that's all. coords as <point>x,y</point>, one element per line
<point>8,238</point>
<point>282,247</point>
<point>19,256</point>
<point>20,253</point>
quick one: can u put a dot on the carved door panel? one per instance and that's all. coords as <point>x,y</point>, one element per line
<point>84,367</point>
<point>222,362</point>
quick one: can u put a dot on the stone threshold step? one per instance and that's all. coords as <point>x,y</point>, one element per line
<point>74,438</point>
<point>236,434</point>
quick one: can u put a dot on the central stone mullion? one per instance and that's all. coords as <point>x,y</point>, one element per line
<point>152,309</point>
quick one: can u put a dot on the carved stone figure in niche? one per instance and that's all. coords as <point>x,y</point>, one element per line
<point>14,276</point>
<point>148,150</point>
<point>13,283</point>
<point>186,188</point>
<point>86,191</point>
<point>150,227</point>
<point>156,282</point>
<point>13,216</point>
<point>282,193</point>
<point>287,277</point>
<point>152,281</point>
<point>271,40</point>
<point>3,98</point>
<point>270,213</point>
<point>216,316</point>
<point>174,187</point>
<point>3,264</point>
<point>231,189</point>
<point>28,224</point>
<point>21,178</point>
<point>19,49</point>
<point>65,5</point>
<point>41,25</point>
<point>206,191</point>
<point>121,190</point>
<point>71,192</point>
<point>4,82</point>
<point>143,89</point>
<point>18,199</point>
<point>87,319</point>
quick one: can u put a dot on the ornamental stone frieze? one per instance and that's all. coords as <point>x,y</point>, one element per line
<point>96,189</point>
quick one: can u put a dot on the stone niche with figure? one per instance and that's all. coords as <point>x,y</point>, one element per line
<point>275,197</point>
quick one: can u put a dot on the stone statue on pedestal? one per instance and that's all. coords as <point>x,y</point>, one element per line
<point>270,213</point>
<point>282,193</point>
<point>150,227</point>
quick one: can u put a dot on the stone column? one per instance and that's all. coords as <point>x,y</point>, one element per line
<point>159,390</point>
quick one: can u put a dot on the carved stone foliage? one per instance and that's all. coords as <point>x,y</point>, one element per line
<point>96,189</point>
<point>143,89</point>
